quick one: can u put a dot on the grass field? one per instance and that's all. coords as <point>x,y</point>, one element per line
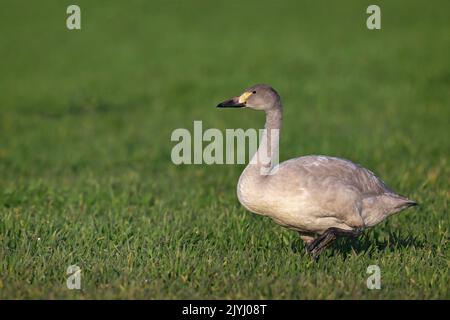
<point>85,122</point>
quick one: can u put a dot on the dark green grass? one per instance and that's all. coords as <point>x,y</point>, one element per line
<point>85,124</point>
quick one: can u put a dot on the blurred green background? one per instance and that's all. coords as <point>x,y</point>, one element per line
<point>85,124</point>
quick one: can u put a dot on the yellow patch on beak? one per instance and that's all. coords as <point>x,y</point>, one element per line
<point>244,97</point>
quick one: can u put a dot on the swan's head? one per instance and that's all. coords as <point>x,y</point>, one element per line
<point>257,97</point>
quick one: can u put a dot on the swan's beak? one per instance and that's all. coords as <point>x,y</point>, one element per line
<point>232,103</point>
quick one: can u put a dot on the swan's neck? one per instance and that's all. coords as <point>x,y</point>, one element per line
<point>266,157</point>
<point>250,187</point>
<point>267,154</point>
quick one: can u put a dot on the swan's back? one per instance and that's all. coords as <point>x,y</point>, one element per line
<point>340,187</point>
<point>326,169</point>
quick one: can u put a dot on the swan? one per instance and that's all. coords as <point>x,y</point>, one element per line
<point>321,197</point>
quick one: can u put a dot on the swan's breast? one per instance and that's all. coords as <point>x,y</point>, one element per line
<point>250,194</point>
<point>270,196</point>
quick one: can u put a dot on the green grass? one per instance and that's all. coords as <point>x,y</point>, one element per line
<point>85,124</point>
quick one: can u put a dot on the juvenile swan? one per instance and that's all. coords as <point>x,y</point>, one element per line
<point>321,197</point>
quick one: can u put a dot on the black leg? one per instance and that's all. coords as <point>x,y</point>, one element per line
<point>319,244</point>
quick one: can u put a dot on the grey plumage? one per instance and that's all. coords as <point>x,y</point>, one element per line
<point>321,197</point>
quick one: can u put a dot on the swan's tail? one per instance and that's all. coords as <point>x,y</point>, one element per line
<point>376,209</point>
<point>401,202</point>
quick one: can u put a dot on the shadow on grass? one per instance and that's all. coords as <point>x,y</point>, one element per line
<point>366,244</point>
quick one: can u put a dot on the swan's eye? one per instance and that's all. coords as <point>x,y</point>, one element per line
<point>254,92</point>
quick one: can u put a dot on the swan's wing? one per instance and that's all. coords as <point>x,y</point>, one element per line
<point>323,169</point>
<point>343,190</point>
